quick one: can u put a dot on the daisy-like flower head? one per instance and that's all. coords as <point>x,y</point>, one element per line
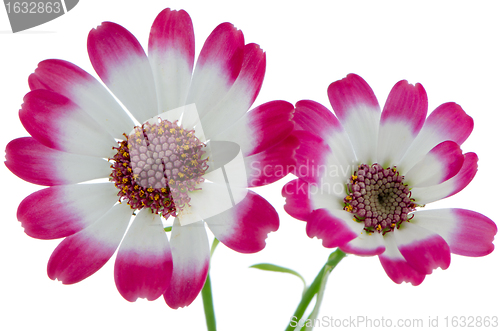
<point>366,175</point>
<point>189,151</point>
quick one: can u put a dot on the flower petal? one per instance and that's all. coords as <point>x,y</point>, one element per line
<point>60,211</point>
<point>244,228</point>
<point>311,157</point>
<point>422,249</point>
<point>143,264</point>
<point>211,199</point>
<point>446,122</point>
<point>218,66</point>
<point>120,61</point>
<point>241,95</point>
<point>58,123</point>
<point>467,233</point>
<point>38,164</point>
<point>191,254</point>
<point>272,164</point>
<point>357,108</point>
<point>396,266</point>
<point>171,53</point>
<point>82,254</point>
<point>365,245</point>
<point>402,118</point>
<point>80,87</point>
<point>441,163</point>
<point>315,118</point>
<point>260,128</point>
<point>335,229</point>
<point>298,204</point>
<point>424,195</point>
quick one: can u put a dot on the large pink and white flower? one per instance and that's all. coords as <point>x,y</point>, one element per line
<point>365,174</point>
<point>156,155</point>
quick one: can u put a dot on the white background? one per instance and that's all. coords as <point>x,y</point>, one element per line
<point>451,47</point>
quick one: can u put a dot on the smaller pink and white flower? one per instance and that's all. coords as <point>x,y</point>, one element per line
<point>169,159</point>
<point>365,175</point>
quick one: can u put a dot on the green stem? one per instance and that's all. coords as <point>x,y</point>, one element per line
<point>332,262</point>
<point>208,305</point>
<point>206,295</point>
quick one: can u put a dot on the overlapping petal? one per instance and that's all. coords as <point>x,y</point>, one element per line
<point>260,128</point>
<point>82,254</point>
<point>271,164</point>
<point>217,67</point>
<point>467,232</point>
<point>335,229</point>
<point>143,264</point>
<point>395,265</point>
<point>315,118</point>
<point>58,123</point>
<point>38,164</point>
<point>424,195</point>
<point>245,227</point>
<point>441,163</point>
<point>191,257</point>
<point>84,90</point>
<point>241,95</point>
<point>424,250</point>
<point>62,210</point>
<point>311,157</point>
<point>121,63</point>
<point>446,122</point>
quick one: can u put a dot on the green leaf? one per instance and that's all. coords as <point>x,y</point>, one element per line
<point>168,229</point>
<point>277,268</point>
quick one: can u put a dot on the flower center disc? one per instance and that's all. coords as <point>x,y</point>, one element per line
<point>157,165</point>
<point>379,198</point>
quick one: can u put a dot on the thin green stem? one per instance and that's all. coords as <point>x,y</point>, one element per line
<point>206,295</point>
<point>208,305</point>
<point>332,262</point>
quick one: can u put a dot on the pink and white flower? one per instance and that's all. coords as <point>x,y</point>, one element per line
<point>161,168</point>
<point>365,174</point>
